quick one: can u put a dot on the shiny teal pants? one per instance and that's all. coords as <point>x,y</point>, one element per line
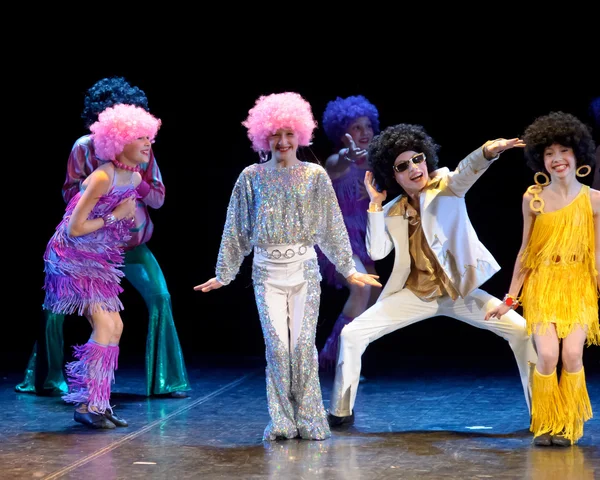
<point>165,367</point>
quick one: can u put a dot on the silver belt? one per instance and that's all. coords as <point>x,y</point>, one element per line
<point>276,254</point>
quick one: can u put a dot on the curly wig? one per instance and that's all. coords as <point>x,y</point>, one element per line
<point>391,142</point>
<point>279,110</point>
<point>341,112</point>
<point>108,92</point>
<point>564,129</point>
<point>119,125</point>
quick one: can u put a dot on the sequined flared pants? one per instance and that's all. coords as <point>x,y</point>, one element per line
<point>287,292</point>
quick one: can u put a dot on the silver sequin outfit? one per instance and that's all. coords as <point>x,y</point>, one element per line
<point>282,213</point>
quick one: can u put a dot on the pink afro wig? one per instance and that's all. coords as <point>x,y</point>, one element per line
<point>119,125</point>
<point>279,110</point>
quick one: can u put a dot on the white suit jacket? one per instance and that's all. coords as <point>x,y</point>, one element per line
<point>446,226</point>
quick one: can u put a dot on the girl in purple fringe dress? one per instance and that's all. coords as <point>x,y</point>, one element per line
<point>350,124</point>
<point>83,258</point>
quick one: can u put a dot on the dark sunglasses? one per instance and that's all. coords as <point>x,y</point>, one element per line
<point>403,166</point>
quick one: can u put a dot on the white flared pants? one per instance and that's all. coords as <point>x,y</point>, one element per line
<point>405,308</point>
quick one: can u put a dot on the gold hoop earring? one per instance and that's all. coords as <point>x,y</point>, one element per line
<point>546,177</point>
<point>587,169</point>
<point>536,204</point>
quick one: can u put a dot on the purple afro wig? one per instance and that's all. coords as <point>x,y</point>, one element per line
<point>119,125</point>
<point>279,110</point>
<point>339,113</point>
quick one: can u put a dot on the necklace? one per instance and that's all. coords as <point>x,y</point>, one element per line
<point>118,164</point>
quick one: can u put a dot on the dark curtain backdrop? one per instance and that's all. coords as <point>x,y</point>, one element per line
<point>202,91</point>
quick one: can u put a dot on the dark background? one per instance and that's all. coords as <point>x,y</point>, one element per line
<point>464,92</point>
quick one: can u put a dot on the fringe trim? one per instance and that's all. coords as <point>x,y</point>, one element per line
<point>560,287</point>
<point>577,404</point>
<point>547,412</point>
<point>91,376</point>
<point>82,274</point>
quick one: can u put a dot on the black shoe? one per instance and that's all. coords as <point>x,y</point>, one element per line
<point>335,421</point>
<point>114,418</point>
<point>179,394</point>
<point>93,420</point>
<point>543,440</point>
<point>561,441</point>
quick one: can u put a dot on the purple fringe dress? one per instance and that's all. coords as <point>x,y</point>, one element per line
<point>83,275</point>
<point>354,203</point>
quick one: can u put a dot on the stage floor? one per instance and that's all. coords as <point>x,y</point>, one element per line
<point>443,421</point>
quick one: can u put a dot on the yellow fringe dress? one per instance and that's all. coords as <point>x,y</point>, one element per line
<point>560,286</point>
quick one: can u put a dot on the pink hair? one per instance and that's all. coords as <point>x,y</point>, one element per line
<point>279,110</point>
<point>119,125</point>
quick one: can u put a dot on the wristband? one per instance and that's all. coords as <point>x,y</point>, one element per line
<point>375,207</point>
<point>143,189</point>
<point>109,219</point>
<point>510,301</point>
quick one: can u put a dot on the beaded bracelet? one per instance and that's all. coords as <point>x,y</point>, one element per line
<point>109,219</point>
<point>510,301</point>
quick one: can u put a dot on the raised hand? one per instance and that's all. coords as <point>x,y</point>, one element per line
<point>354,153</point>
<point>212,284</point>
<point>493,148</point>
<point>374,194</point>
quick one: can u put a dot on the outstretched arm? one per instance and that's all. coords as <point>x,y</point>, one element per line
<point>477,162</point>
<point>493,148</point>
<point>235,241</point>
<point>337,163</point>
<point>212,284</point>
<point>518,276</point>
<point>331,233</point>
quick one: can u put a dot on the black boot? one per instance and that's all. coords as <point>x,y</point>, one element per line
<point>93,420</point>
<point>561,441</point>
<point>543,440</point>
<point>114,418</point>
<point>335,421</point>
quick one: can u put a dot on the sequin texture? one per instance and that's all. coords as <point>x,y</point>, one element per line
<point>294,394</point>
<point>277,206</point>
<point>293,208</point>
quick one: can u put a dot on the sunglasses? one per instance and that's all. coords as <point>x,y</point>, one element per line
<point>403,166</point>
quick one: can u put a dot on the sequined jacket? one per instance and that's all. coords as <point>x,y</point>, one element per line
<point>447,228</point>
<point>279,206</point>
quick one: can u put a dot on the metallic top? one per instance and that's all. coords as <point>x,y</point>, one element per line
<point>283,206</point>
<point>427,279</point>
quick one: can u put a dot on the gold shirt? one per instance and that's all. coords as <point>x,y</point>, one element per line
<point>427,280</point>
